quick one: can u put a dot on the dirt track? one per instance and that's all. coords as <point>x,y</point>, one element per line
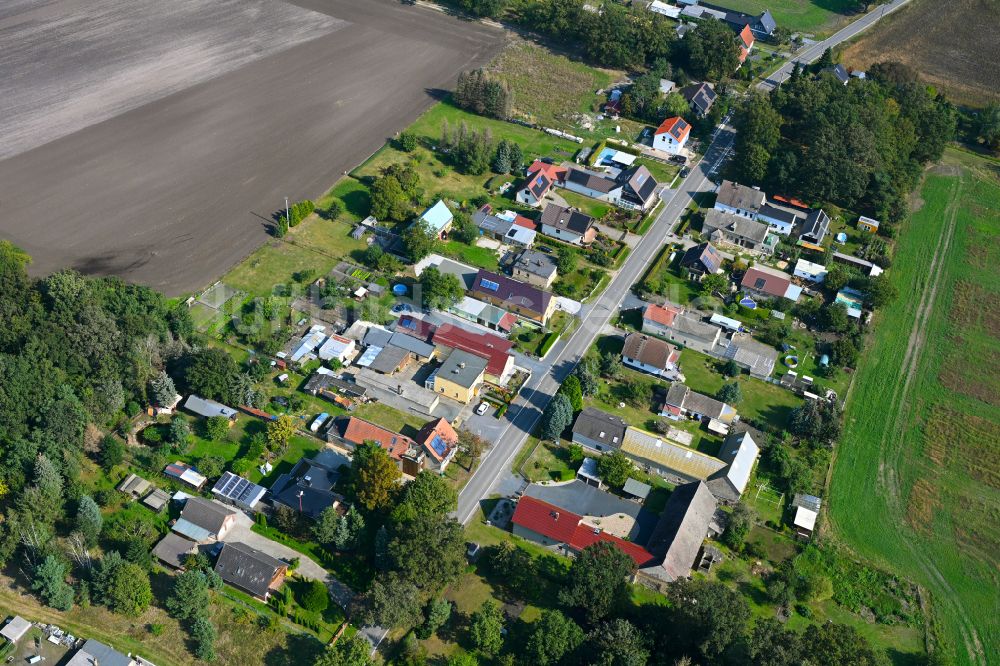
<point>175,191</point>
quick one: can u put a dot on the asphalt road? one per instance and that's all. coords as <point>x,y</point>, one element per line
<point>812,53</point>
<point>527,408</point>
<point>174,191</point>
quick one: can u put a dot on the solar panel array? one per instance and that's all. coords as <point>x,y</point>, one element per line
<point>237,488</point>
<point>439,445</point>
<point>490,284</point>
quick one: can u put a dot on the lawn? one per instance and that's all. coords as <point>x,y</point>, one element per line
<point>819,17</point>
<point>480,257</point>
<point>593,207</point>
<point>763,402</point>
<point>914,484</point>
<point>664,279</point>
<point>315,244</point>
<point>390,418</point>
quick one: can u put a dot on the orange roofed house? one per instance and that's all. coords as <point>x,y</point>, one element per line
<point>745,41</point>
<point>440,442</point>
<point>400,448</point>
<point>542,177</point>
<point>671,135</point>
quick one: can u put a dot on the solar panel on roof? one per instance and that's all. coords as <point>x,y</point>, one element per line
<point>490,284</point>
<point>439,445</point>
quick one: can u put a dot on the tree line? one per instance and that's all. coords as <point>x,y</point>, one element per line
<point>861,146</point>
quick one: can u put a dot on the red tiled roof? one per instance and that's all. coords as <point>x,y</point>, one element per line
<point>439,428</point>
<point>485,345</point>
<point>661,315</point>
<point>676,126</point>
<point>359,431</point>
<point>746,36</point>
<point>553,172</point>
<point>522,221</point>
<point>766,283</point>
<point>507,322</point>
<point>567,527</point>
<point>743,54</point>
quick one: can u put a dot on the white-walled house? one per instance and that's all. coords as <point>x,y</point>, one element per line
<point>672,135</point>
<point>808,270</point>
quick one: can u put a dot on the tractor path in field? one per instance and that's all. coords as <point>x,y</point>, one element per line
<point>893,444</point>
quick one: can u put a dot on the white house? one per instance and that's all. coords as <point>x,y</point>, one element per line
<point>671,135</point>
<point>808,270</point>
<point>651,355</point>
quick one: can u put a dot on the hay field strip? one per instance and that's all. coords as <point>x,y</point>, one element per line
<point>915,483</point>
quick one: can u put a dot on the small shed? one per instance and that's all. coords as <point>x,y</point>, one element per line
<point>868,225</point>
<point>157,500</point>
<point>637,489</point>
<point>15,629</point>
<point>134,486</point>
<point>805,522</point>
<point>588,473</point>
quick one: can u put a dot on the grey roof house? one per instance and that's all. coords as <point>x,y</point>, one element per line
<point>739,452</point>
<point>535,268</point>
<point>598,430</point>
<point>815,227</point>
<point>724,227</point>
<point>250,570</point>
<point>96,653</point>
<point>638,188</point>
<point>309,486</point>
<point>685,522</point>
<point>173,548</point>
<point>700,96</point>
<point>568,225</point>
<point>238,491</point>
<point>204,521</point>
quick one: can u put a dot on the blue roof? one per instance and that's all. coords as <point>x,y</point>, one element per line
<point>437,216</point>
<point>439,445</point>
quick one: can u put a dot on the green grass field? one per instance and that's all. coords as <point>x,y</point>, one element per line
<point>315,244</point>
<point>819,17</point>
<point>761,401</point>
<point>915,480</point>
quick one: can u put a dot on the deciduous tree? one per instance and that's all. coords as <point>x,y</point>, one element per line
<point>486,628</point>
<point>129,592</point>
<point>615,468</point>
<point>597,580</point>
<point>551,638</point>
<point>429,494</point>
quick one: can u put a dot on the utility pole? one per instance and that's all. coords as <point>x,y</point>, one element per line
<point>288,220</point>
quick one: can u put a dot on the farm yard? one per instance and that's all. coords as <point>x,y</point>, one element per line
<point>952,45</point>
<point>915,482</point>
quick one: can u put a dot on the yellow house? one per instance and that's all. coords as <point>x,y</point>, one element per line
<point>460,377</point>
<point>868,224</point>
